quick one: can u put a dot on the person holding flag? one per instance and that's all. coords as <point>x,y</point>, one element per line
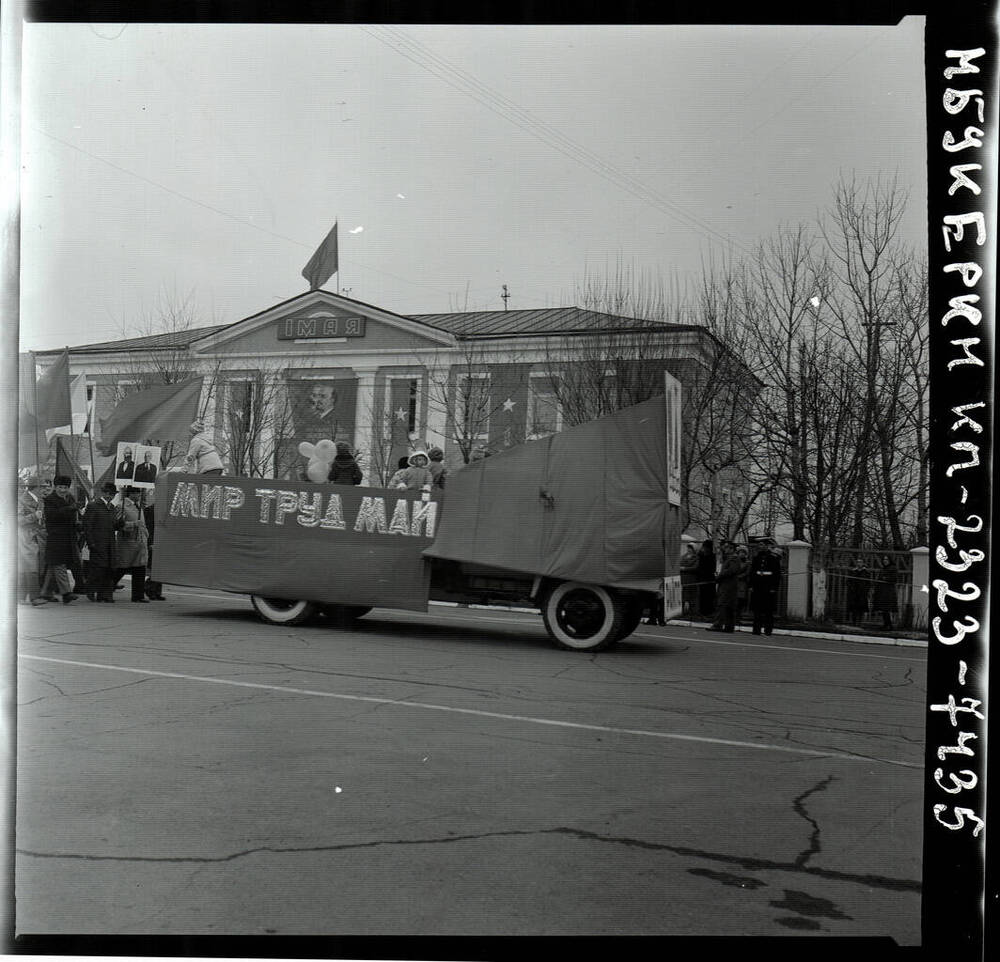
<point>62,550</point>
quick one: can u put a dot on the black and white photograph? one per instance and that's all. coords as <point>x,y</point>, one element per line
<point>589,529</point>
<point>125,463</point>
<point>147,465</point>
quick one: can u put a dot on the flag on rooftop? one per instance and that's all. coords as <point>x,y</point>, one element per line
<point>162,413</point>
<point>78,405</point>
<point>323,264</point>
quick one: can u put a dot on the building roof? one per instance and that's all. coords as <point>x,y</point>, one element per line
<point>149,342</point>
<point>537,321</point>
<point>463,324</point>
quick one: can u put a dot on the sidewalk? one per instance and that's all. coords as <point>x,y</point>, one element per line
<point>832,635</point>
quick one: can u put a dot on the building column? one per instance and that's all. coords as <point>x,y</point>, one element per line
<point>919,585</point>
<point>798,578</point>
<point>363,413</point>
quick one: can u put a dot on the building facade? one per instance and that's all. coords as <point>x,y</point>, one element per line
<point>324,366</point>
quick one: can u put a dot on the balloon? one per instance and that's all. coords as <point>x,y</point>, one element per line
<point>306,449</point>
<point>326,450</point>
<point>318,471</point>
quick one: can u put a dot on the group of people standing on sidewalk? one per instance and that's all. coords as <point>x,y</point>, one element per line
<point>114,531</point>
<point>741,581</point>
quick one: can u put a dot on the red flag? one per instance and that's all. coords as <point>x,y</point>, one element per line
<point>66,464</point>
<point>43,404</point>
<point>323,264</point>
<point>161,413</point>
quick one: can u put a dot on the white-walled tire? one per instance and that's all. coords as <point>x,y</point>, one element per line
<point>582,617</point>
<point>279,611</point>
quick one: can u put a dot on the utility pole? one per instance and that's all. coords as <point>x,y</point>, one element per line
<point>505,295</point>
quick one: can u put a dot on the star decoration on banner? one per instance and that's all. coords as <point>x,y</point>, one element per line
<point>508,405</point>
<point>400,414</point>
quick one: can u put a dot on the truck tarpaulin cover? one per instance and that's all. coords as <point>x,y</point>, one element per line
<point>335,544</point>
<point>588,504</point>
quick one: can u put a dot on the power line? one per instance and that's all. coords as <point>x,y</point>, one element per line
<point>472,87</point>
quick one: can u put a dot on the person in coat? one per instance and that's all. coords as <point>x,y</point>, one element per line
<point>884,601</point>
<point>403,464</point>
<point>344,468</point>
<point>764,581</point>
<point>132,544</point>
<point>689,577</point>
<point>856,601</point>
<point>436,465</point>
<point>417,475</point>
<point>202,457</point>
<point>705,578</point>
<point>742,583</point>
<point>30,543</point>
<point>100,522</point>
<point>62,550</point>
<point>154,589</point>
<point>727,589</point>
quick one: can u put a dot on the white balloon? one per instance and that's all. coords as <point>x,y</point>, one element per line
<point>318,471</point>
<point>306,449</point>
<point>326,450</point>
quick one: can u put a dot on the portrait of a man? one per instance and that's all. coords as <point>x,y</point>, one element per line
<point>145,471</point>
<point>126,464</point>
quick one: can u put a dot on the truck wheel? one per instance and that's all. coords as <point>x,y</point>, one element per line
<point>280,611</point>
<point>583,617</point>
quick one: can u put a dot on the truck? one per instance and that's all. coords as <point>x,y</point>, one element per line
<point>582,526</point>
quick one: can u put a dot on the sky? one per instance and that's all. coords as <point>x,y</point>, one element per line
<point>204,163</point>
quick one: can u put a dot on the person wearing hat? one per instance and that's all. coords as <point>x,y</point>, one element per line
<point>202,457</point>
<point>727,591</point>
<point>30,541</point>
<point>763,582</point>
<point>437,468</point>
<point>100,522</point>
<point>417,475</point>
<point>62,552</point>
<point>132,544</point>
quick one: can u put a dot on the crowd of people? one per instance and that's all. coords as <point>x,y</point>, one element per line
<point>68,550</point>
<point>721,587</point>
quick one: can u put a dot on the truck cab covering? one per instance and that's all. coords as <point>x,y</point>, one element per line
<point>588,504</point>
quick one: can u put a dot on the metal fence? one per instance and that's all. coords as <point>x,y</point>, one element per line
<point>835,577</point>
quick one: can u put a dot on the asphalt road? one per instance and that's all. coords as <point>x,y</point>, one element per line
<point>184,768</point>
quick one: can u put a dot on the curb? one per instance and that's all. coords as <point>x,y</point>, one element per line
<point>829,636</point>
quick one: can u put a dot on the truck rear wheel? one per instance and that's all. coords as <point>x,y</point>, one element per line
<point>582,617</point>
<point>281,611</point>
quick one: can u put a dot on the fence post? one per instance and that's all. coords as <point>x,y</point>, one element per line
<point>919,586</point>
<point>798,578</point>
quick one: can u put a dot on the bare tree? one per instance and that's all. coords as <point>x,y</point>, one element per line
<point>257,424</point>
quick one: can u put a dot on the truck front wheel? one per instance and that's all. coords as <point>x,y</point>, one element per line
<point>583,617</point>
<point>280,611</point>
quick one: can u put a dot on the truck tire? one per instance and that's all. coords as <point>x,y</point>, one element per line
<point>582,617</point>
<point>280,611</point>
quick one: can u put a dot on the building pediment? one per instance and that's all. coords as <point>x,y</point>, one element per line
<point>321,320</point>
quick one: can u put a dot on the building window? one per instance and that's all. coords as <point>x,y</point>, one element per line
<point>544,410</point>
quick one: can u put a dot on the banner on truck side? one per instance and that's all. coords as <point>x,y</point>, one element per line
<point>334,544</point>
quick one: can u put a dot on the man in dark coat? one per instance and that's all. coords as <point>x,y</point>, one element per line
<point>705,575</point>
<point>126,467</point>
<point>62,552</point>
<point>99,524</point>
<point>727,591</point>
<point>764,581</point>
